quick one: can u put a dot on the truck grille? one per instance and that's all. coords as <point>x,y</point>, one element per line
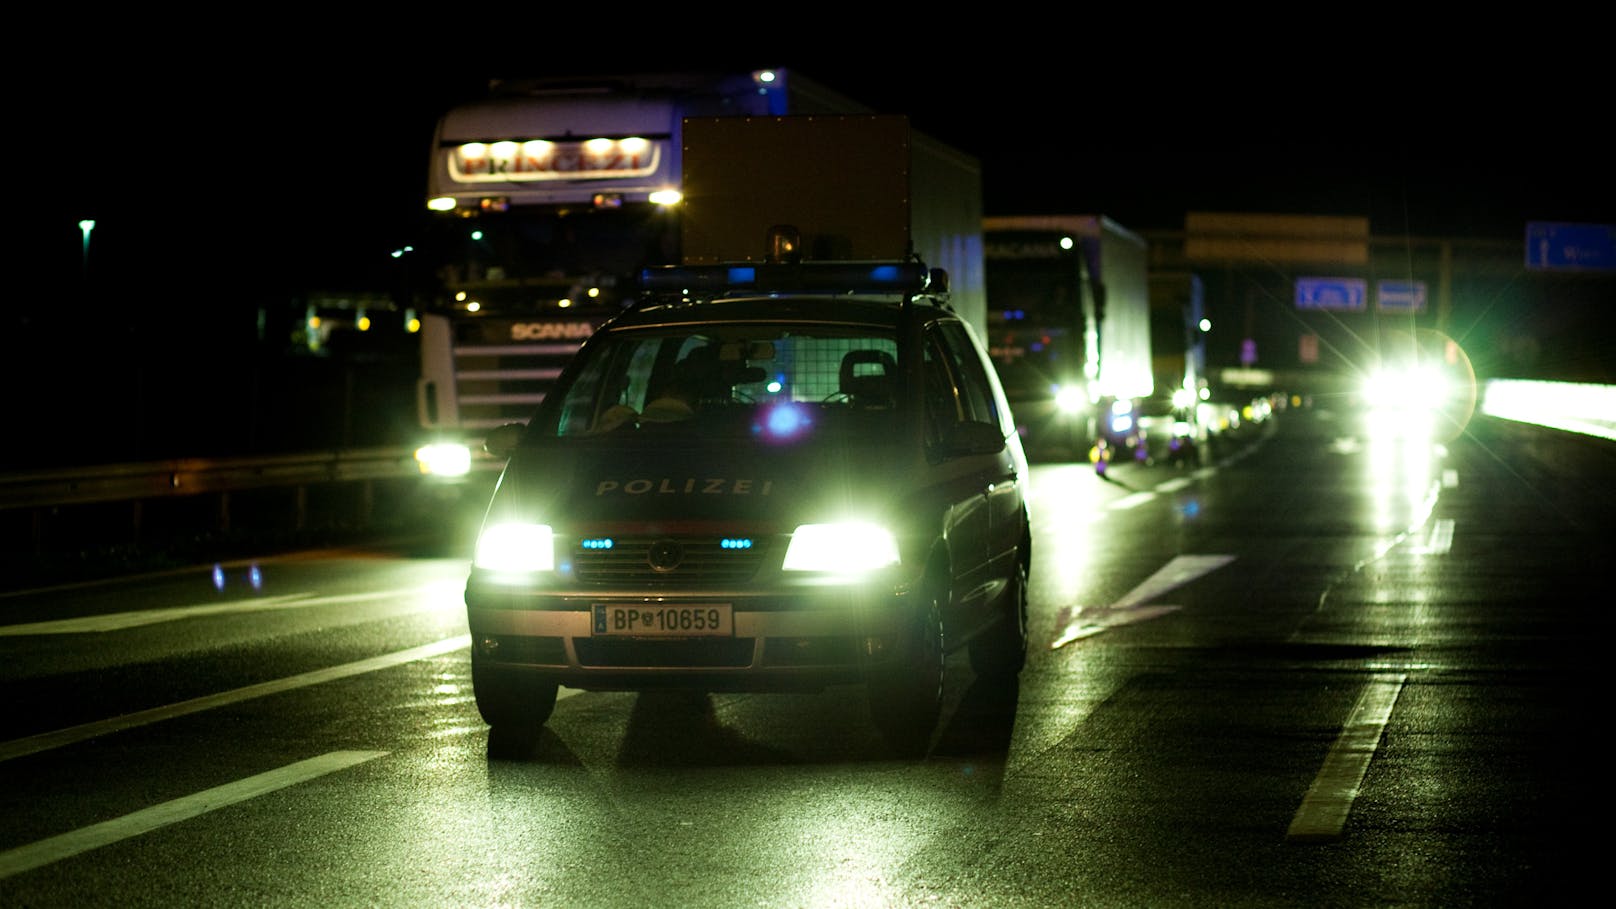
<point>667,561</point>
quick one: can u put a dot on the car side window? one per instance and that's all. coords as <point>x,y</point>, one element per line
<point>975,390</point>
<point>957,386</point>
<point>943,407</point>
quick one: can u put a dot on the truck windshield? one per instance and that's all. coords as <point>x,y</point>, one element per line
<point>528,260</point>
<point>726,381</point>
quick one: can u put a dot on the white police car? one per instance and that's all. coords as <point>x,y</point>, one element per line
<point>759,478</point>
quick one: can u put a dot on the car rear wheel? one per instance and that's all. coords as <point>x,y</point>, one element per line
<point>1001,651</point>
<point>514,703</point>
<point>906,698</point>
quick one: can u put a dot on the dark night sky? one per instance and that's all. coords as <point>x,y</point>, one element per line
<point>235,162</point>
<point>290,163</point>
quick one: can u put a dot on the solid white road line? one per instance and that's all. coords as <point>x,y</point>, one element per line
<point>47,740</point>
<point>1324,809</point>
<point>119,620</point>
<point>67,845</point>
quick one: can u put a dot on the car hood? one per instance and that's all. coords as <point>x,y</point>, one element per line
<point>763,487</point>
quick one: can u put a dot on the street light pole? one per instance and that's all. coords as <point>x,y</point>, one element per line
<point>85,226</point>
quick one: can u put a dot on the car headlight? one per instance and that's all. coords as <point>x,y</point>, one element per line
<point>515,548</point>
<point>843,548</point>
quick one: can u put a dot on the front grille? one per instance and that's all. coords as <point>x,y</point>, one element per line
<point>667,561</point>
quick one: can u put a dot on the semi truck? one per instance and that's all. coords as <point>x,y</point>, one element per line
<point>550,196</point>
<point>1069,331</point>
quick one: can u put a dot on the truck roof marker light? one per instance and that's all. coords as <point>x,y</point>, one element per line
<point>667,197</point>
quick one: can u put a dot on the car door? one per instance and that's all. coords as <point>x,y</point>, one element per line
<point>964,481</point>
<point>1004,471</point>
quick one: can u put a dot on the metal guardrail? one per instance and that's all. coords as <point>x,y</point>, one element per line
<point>195,476</point>
<point>1588,409</point>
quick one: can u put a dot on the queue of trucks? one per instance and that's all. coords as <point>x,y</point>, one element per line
<point>551,196</point>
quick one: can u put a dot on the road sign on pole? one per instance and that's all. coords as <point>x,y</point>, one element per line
<point>1400,296</point>
<point>1331,293</point>
<point>1570,247</point>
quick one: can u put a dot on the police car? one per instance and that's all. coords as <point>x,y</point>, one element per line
<point>771,477</point>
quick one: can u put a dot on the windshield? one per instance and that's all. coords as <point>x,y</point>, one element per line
<point>775,381</point>
<point>527,259</point>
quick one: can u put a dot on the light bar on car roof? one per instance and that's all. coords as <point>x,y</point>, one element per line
<point>817,277</point>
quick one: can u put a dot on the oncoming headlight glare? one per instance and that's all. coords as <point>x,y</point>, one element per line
<point>1070,398</point>
<point>444,459</point>
<point>844,548</point>
<point>516,547</point>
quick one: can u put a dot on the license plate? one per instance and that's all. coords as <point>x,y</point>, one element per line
<point>657,620</point>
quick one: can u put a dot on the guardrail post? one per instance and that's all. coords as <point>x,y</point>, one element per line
<point>300,519</point>
<point>224,512</point>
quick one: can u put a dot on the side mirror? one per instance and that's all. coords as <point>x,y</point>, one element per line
<point>501,441</point>
<point>973,437</point>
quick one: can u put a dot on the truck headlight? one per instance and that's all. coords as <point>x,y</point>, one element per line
<point>444,459</point>
<point>515,547</point>
<point>843,548</point>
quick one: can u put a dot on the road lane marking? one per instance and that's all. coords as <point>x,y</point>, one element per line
<point>1087,622</point>
<point>1439,541</point>
<point>1324,809</point>
<point>1084,621</point>
<point>67,845</point>
<point>1132,501</point>
<point>1174,485</point>
<point>48,740</point>
<point>119,620</point>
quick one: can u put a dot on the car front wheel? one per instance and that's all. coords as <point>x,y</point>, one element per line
<point>906,698</point>
<point>1001,651</point>
<point>512,702</point>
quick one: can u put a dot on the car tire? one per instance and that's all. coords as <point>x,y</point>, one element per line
<point>514,703</point>
<point>906,697</point>
<point>1001,651</point>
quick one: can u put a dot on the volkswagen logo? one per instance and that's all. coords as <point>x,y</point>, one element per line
<point>665,555</point>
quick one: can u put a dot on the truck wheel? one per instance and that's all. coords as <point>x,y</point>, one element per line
<point>516,704</point>
<point>1001,651</point>
<point>906,698</point>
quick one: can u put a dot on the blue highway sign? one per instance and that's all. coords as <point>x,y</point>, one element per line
<point>1331,293</point>
<point>1575,247</point>
<point>1400,296</point>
